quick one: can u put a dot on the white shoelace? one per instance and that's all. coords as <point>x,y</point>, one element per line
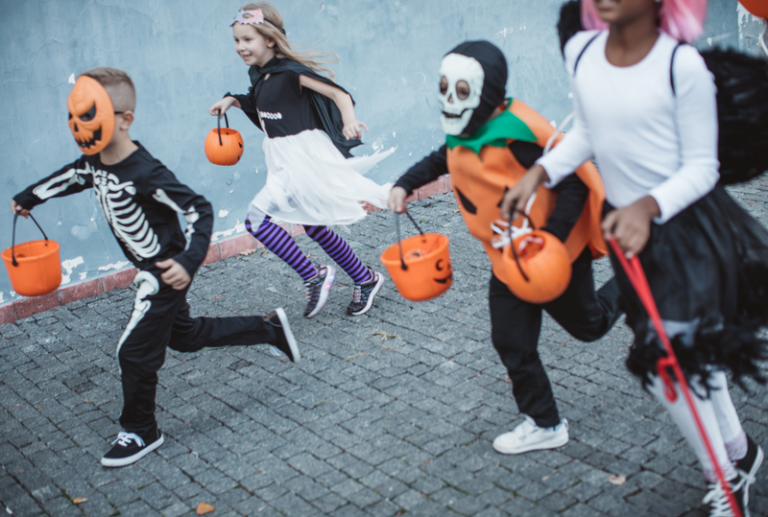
<point>720,506</point>
<point>124,439</point>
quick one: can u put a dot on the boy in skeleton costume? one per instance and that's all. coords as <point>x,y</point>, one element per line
<point>141,200</point>
<point>490,143</point>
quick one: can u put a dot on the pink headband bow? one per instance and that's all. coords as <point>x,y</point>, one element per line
<point>253,17</point>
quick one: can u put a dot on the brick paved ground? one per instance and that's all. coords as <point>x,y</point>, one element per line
<point>388,414</point>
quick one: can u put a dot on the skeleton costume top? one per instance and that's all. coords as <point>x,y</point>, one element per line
<point>141,199</point>
<point>312,178</point>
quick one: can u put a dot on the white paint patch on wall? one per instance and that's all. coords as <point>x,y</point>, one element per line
<point>116,265</point>
<point>223,213</point>
<point>69,266</point>
<point>750,29</point>
<point>239,228</point>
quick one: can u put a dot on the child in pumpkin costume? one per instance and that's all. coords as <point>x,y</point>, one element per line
<point>491,142</point>
<point>141,200</point>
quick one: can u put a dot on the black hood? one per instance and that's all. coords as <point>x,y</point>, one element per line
<point>494,64</point>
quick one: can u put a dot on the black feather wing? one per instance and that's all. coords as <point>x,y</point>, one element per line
<point>742,112</point>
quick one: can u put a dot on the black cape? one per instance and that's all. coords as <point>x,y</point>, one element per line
<point>326,111</point>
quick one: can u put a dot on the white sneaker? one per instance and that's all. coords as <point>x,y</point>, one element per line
<point>530,437</point>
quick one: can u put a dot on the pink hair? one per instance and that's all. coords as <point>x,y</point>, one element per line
<point>681,19</point>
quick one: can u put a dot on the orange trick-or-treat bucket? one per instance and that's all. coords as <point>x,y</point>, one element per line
<point>223,146</point>
<point>34,267</point>
<point>420,266</point>
<point>537,267</point>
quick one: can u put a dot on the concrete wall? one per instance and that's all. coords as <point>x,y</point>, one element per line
<point>181,58</point>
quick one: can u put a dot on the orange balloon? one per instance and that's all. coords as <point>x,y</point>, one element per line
<point>757,7</point>
<point>542,270</point>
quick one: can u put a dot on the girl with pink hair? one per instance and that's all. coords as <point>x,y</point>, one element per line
<point>646,111</point>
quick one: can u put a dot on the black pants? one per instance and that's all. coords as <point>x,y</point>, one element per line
<point>586,314</point>
<point>161,319</point>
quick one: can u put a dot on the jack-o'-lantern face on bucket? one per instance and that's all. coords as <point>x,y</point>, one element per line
<point>444,266</point>
<point>91,115</point>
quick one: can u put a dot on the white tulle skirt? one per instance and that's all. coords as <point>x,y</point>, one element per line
<point>310,182</point>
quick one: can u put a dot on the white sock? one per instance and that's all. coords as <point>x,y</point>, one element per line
<point>682,416</point>
<point>730,427</point>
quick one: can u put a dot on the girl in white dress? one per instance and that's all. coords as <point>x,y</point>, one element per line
<point>646,111</point>
<point>312,178</point>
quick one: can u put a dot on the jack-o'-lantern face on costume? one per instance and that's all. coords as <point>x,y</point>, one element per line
<point>91,115</point>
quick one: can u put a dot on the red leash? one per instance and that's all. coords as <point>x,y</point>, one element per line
<point>637,276</point>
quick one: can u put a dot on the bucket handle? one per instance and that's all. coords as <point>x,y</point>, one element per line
<point>399,240</point>
<point>514,248</point>
<point>13,241</point>
<point>218,125</point>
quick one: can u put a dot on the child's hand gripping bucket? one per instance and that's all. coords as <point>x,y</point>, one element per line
<point>223,146</point>
<point>420,266</point>
<point>537,266</point>
<point>34,267</point>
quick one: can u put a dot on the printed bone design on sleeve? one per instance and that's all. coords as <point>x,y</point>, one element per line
<point>124,215</point>
<point>190,215</point>
<point>59,184</point>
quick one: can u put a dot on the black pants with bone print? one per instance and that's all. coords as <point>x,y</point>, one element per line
<point>584,313</point>
<point>160,320</point>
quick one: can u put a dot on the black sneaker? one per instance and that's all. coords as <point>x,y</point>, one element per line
<point>747,468</point>
<point>720,506</point>
<point>130,448</point>
<point>284,340</point>
<point>362,297</point>
<point>317,289</point>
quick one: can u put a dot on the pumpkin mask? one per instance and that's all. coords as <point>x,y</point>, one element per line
<point>91,115</point>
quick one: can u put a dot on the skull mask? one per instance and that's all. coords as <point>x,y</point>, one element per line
<point>473,79</point>
<point>461,84</point>
<point>91,115</point>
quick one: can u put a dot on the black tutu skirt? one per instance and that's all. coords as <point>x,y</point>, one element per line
<point>708,271</point>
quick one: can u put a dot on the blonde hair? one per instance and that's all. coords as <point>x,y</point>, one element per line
<point>312,58</point>
<point>122,92</point>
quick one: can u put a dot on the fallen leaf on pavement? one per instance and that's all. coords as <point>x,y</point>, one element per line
<point>247,253</point>
<point>384,335</point>
<point>204,508</point>
<point>617,480</point>
<point>80,500</point>
<point>507,380</point>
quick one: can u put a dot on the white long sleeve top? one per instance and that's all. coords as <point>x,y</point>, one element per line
<point>647,139</point>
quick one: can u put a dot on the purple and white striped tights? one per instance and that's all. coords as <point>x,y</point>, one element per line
<point>280,242</point>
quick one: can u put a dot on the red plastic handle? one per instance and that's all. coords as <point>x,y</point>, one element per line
<point>636,275</point>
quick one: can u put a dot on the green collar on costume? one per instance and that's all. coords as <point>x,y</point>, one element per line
<point>495,133</point>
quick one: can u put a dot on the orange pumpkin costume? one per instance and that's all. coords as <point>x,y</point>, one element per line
<point>483,165</point>
<point>481,179</point>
